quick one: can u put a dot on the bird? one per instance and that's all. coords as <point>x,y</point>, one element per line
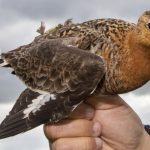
<point>41,29</point>
<point>68,63</point>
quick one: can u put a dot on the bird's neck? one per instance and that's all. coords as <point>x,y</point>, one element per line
<point>129,69</point>
<point>139,59</point>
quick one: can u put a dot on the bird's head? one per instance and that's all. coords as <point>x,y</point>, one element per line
<point>143,29</point>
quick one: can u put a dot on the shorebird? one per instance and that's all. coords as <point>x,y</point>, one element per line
<point>41,29</point>
<point>72,61</point>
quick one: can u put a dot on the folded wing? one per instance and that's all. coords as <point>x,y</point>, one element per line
<point>59,77</point>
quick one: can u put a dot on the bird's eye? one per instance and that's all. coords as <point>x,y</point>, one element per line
<point>148,25</point>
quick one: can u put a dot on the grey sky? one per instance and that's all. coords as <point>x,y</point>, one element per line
<point>59,10</point>
<point>19,20</point>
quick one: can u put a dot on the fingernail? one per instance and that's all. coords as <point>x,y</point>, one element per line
<point>98,143</point>
<point>96,129</point>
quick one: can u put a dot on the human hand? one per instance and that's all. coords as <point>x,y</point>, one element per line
<point>117,127</point>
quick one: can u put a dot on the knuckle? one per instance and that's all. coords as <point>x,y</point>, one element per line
<point>56,131</point>
<point>52,131</point>
<point>46,130</point>
<point>59,145</point>
<point>74,144</point>
<point>89,144</point>
<point>89,113</point>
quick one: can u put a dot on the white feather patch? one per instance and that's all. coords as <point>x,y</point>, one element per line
<point>38,103</point>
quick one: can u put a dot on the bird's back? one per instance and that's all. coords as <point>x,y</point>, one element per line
<point>105,38</point>
<point>91,34</point>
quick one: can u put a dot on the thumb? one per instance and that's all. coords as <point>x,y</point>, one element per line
<point>104,102</point>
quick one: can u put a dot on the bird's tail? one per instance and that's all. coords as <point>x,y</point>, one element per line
<point>14,125</point>
<point>16,122</point>
<point>33,109</point>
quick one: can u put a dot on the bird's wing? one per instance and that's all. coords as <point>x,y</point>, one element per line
<point>15,123</point>
<point>23,101</point>
<point>61,78</point>
<point>54,68</point>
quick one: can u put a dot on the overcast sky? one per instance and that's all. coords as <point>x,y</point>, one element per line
<point>19,20</point>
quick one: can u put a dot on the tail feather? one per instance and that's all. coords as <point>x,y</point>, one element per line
<point>11,119</point>
<point>13,125</point>
<point>14,129</point>
<point>17,122</point>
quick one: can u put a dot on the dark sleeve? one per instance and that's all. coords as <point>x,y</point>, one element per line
<point>147,128</point>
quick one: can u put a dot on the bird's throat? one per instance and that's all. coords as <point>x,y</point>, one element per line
<point>129,71</point>
<point>137,63</point>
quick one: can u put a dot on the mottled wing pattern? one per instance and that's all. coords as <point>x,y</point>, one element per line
<point>89,34</point>
<point>52,67</point>
<point>60,78</point>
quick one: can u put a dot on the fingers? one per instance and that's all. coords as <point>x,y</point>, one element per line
<point>82,143</point>
<point>104,102</point>
<point>76,133</point>
<point>72,128</point>
<point>83,111</point>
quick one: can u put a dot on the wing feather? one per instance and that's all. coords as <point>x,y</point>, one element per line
<point>53,67</point>
<point>59,78</point>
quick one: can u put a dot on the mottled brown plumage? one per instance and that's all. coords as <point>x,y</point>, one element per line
<point>72,61</point>
<point>54,68</point>
<point>121,44</point>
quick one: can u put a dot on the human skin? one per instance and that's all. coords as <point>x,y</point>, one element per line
<point>100,123</point>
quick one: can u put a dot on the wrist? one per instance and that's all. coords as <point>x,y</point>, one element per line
<point>145,142</point>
